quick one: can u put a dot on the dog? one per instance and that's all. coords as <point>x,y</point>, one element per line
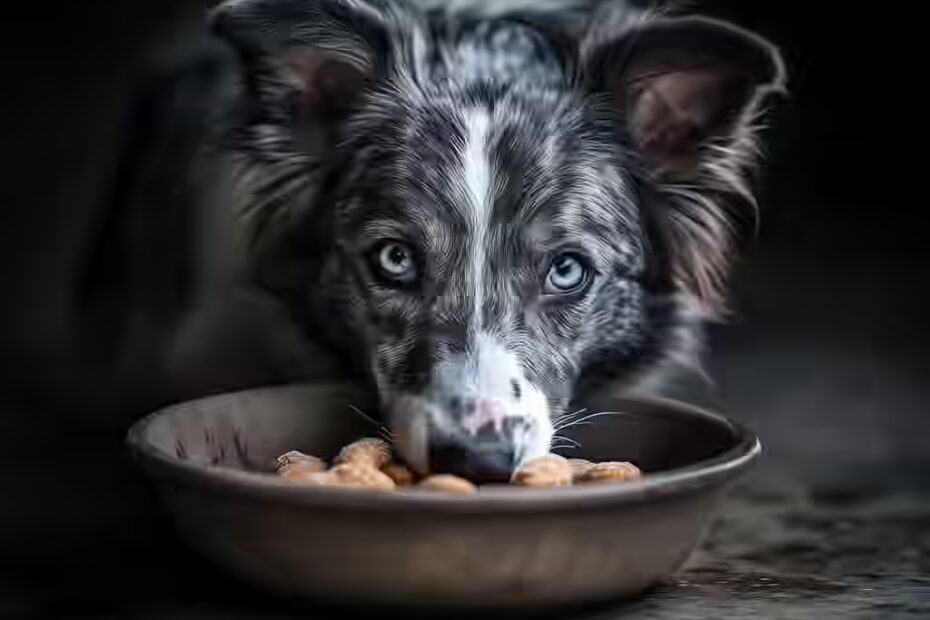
<point>484,210</point>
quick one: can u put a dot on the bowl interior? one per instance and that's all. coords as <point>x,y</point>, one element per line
<point>248,430</point>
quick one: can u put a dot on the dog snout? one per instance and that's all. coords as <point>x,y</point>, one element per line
<point>484,461</point>
<point>485,418</point>
<point>484,446</point>
<point>479,415</point>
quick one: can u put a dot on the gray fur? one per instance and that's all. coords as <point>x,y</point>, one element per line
<point>566,173</point>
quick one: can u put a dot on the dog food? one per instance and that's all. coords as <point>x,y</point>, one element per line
<point>447,484</point>
<point>400,474</point>
<point>579,466</point>
<point>608,472</point>
<point>360,475</point>
<point>297,465</point>
<point>369,464</point>
<point>373,452</point>
<point>546,471</point>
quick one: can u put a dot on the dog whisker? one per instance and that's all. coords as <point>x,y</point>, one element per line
<point>565,420</point>
<point>564,439</point>
<point>585,420</point>
<point>383,431</point>
<point>563,416</point>
<point>364,415</point>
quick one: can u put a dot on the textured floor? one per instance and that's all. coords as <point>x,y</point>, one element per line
<point>836,521</point>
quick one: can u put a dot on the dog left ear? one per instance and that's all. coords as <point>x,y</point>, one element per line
<point>305,64</point>
<point>688,91</point>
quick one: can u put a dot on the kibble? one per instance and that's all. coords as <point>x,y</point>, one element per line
<point>579,466</point>
<point>375,453</point>
<point>545,471</point>
<point>295,462</point>
<point>447,484</point>
<point>369,464</point>
<point>609,472</point>
<point>317,478</point>
<point>399,473</point>
<point>359,475</point>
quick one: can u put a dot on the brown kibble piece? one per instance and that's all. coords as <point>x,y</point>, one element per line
<point>300,469</point>
<point>347,475</point>
<point>368,464</point>
<point>579,466</point>
<point>304,476</point>
<point>359,475</point>
<point>375,453</point>
<point>545,471</point>
<point>399,473</point>
<point>298,461</point>
<point>610,472</point>
<point>447,484</point>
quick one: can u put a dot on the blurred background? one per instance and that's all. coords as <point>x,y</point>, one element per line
<point>105,107</point>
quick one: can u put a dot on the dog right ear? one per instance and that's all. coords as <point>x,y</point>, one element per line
<point>304,64</point>
<point>687,93</point>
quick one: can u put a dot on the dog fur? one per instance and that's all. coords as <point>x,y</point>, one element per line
<point>484,148</point>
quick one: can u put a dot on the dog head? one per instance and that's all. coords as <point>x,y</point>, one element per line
<point>486,214</point>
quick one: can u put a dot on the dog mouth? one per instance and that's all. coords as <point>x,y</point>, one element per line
<point>479,461</point>
<point>486,447</point>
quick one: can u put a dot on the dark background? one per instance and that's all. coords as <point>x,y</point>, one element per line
<point>826,356</point>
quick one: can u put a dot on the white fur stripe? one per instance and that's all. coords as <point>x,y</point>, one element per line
<point>492,8</point>
<point>478,179</point>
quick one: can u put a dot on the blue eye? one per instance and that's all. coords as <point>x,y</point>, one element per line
<point>395,261</point>
<point>566,275</point>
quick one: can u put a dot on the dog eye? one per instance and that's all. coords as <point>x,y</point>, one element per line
<point>395,261</point>
<point>567,274</point>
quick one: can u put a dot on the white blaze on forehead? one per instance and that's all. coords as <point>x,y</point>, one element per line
<point>477,164</point>
<point>477,176</point>
<point>486,370</point>
<point>492,367</point>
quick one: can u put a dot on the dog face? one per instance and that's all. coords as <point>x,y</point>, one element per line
<point>489,243</point>
<point>494,213</point>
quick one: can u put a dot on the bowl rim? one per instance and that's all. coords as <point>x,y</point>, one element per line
<point>499,499</point>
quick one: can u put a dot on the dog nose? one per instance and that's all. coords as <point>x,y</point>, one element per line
<point>486,461</point>
<point>485,419</point>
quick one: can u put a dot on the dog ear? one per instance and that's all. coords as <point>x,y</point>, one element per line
<point>304,62</point>
<point>689,91</point>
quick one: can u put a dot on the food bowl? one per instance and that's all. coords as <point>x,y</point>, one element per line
<point>503,548</point>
